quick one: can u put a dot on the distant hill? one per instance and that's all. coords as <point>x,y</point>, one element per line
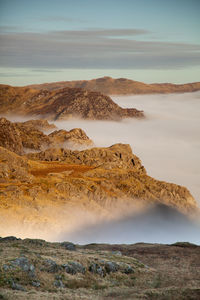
<point>62,104</point>
<point>121,86</point>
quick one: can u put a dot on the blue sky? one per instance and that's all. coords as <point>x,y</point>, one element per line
<point>145,40</point>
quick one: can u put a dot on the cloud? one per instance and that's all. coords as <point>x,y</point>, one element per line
<point>62,19</point>
<point>97,48</point>
<point>8,28</point>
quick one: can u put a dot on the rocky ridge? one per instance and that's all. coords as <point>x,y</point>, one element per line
<point>121,86</point>
<point>62,104</point>
<point>29,136</point>
<point>78,187</point>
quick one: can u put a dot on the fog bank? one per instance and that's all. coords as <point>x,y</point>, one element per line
<point>160,224</point>
<point>167,141</point>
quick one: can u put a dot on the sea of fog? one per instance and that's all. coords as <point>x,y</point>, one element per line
<point>168,143</point>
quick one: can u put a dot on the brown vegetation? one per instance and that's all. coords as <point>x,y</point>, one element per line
<point>35,269</point>
<point>121,86</point>
<point>62,104</point>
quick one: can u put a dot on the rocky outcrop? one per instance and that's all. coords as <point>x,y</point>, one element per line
<point>42,125</point>
<point>103,182</point>
<point>118,156</point>
<point>26,137</point>
<point>19,136</point>
<point>75,138</point>
<point>62,104</point>
<point>10,136</point>
<point>121,86</point>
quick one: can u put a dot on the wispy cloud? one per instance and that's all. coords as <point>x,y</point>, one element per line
<point>63,19</point>
<point>97,48</point>
<point>8,28</point>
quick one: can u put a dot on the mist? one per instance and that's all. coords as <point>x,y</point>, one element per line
<point>167,141</point>
<point>159,224</point>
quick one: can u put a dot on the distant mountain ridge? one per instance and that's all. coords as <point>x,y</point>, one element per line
<point>62,104</point>
<point>121,86</point>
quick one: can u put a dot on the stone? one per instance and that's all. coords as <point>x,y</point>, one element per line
<point>23,263</point>
<point>126,268</point>
<point>9,239</point>
<point>58,283</point>
<point>51,266</point>
<point>69,246</point>
<point>96,269</point>
<point>17,286</point>
<point>74,267</point>
<point>111,267</point>
<point>117,253</point>
<point>35,283</point>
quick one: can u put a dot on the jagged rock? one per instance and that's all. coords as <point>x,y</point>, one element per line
<point>63,104</point>
<point>26,137</point>
<point>10,137</point>
<point>70,139</point>
<point>17,136</point>
<point>116,156</point>
<point>14,167</point>
<point>42,125</point>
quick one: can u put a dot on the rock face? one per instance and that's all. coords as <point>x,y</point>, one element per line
<point>62,104</point>
<point>42,125</point>
<point>68,188</point>
<point>23,137</point>
<point>121,86</point>
<point>17,136</point>
<point>10,137</point>
<point>75,138</point>
<point>118,156</point>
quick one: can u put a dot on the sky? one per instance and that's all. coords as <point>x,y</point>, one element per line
<point>55,40</point>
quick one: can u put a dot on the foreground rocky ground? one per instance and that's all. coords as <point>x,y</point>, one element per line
<point>35,269</point>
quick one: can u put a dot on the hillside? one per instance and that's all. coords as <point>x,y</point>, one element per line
<point>79,187</point>
<point>121,86</point>
<point>36,269</point>
<point>62,104</point>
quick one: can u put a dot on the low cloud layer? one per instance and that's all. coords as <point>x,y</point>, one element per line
<point>160,224</point>
<point>94,48</point>
<point>167,142</point>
